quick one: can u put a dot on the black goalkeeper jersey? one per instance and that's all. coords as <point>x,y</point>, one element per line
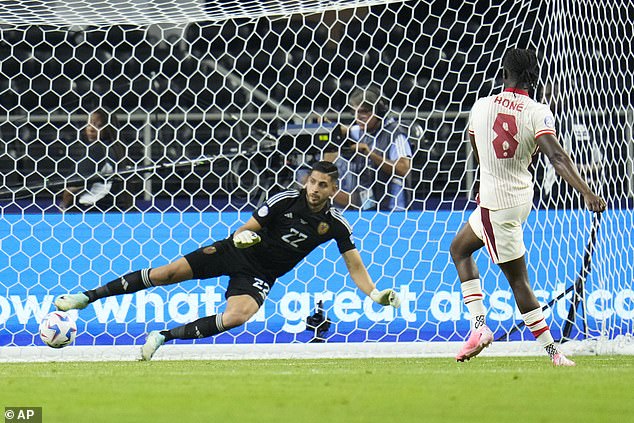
<point>290,231</point>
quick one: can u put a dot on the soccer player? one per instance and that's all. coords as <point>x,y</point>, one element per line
<point>505,131</point>
<point>281,232</point>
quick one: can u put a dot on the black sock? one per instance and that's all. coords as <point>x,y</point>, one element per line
<point>132,282</point>
<point>201,328</point>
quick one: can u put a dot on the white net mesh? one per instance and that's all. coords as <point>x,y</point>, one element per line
<point>214,106</point>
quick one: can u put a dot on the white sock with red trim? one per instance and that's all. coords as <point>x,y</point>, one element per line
<point>472,294</point>
<point>536,323</point>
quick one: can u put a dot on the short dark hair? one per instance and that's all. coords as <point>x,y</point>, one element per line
<point>522,66</point>
<point>328,168</point>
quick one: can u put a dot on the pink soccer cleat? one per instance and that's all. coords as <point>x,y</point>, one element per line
<point>478,340</point>
<point>561,360</point>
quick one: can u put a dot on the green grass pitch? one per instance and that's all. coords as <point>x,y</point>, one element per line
<point>487,389</point>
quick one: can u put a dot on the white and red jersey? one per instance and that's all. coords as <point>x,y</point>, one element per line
<point>505,127</point>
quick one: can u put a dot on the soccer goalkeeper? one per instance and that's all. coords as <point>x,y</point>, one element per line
<point>281,232</point>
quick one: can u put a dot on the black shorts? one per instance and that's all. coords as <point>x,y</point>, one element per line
<point>222,259</point>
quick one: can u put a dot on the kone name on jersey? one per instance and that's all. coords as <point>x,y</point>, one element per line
<point>511,105</point>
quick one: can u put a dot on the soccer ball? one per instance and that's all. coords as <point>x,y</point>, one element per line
<point>58,329</point>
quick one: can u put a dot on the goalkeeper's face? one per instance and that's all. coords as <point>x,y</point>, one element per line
<point>319,188</point>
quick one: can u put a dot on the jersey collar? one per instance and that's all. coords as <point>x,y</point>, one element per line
<point>516,91</point>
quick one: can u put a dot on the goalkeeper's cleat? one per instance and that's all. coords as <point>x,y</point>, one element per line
<point>71,302</point>
<point>561,360</point>
<point>152,343</point>
<point>478,340</point>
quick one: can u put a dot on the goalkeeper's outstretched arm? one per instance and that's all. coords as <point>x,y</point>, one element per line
<point>362,279</point>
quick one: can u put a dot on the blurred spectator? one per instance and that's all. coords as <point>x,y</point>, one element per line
<point>375,159</point>
<point>98,153</point>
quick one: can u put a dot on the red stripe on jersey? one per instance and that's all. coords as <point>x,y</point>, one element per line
<point>544,132</point>
<point>488,232</point>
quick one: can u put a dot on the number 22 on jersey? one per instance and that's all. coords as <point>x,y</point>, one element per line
<point>504,143</point>
<point>294,237</point>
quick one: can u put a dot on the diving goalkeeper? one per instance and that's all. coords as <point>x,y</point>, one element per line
<point>281,232</point>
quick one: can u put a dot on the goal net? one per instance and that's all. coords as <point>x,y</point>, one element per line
<point>217,105</point>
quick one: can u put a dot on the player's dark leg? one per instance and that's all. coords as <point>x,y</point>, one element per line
<point>517,275</point>
<point>175,272</point>
<point>239,310</point>
<point>462,248</point>
<point>168,274</point>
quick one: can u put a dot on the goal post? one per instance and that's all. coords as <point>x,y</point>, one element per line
<point>218,104</point>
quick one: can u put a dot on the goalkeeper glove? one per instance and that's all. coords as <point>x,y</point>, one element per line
<point>386,297</point>
<point>245,239</point>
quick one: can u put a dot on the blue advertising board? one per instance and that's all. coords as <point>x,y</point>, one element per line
<point>44,255</point>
